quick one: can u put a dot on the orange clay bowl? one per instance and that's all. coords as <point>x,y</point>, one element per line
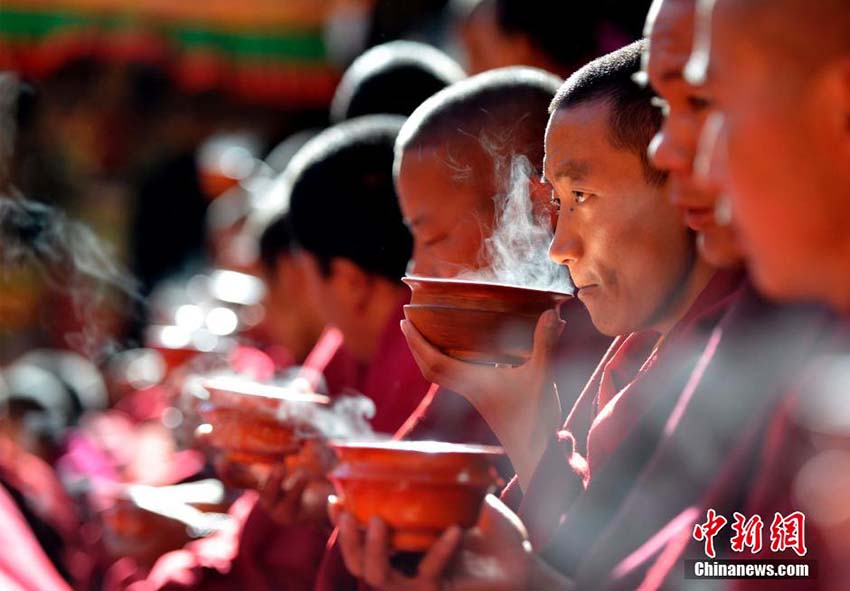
<point>237,430</point>
<point>419,488</point>
<point>241,426</point>
<point>250,396</point>
<point>478,322</point>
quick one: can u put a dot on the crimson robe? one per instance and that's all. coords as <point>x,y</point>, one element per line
<point>330,361</point>
<point>765,453</point>
<point>23,564</point>
<point>689,449</point>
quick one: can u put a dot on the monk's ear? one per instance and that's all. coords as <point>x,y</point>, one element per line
<point>351,283</point>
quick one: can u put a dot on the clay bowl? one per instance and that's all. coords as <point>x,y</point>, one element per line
<point>249,470</point>
<point>419,488</point>
<point>250,396</point>
<point>478,322</point>
<point>246,436</point>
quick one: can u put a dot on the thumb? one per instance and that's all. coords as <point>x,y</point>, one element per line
<point>546,336</point>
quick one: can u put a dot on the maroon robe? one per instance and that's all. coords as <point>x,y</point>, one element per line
<point>23,564</point>
<point>691,449</point>
<point>632,376</point>
<point>393,380</point>
<point>330,360</point>
<point>759,453</point>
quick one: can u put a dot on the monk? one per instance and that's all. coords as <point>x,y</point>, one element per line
<point>729,403</point>
<point>354,247</point>
<point>292,319</point>
<point>393,79</point>
<point>788,202</point>
<point>452,182</point>
<point>637,272</point>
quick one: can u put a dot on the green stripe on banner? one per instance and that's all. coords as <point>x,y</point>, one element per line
<point>294,44</point>
<point>284,45</point>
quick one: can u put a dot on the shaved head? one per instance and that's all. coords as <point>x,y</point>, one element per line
<point>781,87</point>
<point>805,32</point>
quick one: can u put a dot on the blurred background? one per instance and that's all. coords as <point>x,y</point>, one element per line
<point>135,116</point>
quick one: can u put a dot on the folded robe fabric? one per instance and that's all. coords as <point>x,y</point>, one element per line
<point>23,564</point>
<point>632,524</point>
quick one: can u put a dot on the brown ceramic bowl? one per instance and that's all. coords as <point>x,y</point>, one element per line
<point>244,433</point>
<point>419,488</point>
<point>250,396</point>
<point>237,430</point>
<point>478,322</point>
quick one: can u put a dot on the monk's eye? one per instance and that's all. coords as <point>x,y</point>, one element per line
<point>580,197</point>
<point>660,103</point>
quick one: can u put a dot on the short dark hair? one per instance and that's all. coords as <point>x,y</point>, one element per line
<point>393,78</point>
<point>342,201</point>
<point>275,241</point>
<point>634,120</point>
<point>511,102</point>
<point>566,31</point>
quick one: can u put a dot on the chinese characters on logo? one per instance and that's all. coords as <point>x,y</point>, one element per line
<point>786,533</point>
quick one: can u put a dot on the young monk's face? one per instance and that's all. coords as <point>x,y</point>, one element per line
<point>288,309</point>
<point>785,138</point>
<point>446,197</point>
<point>674,148</point>
<point>623,241</point>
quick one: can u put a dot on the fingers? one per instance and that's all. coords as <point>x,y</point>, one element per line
<point>272,488</point>
<point>441,553</point>
<point>547,334</point>
<point>351,544</point>
<point>288,508</point>
<point>435,366</point>
<point>376,566</point>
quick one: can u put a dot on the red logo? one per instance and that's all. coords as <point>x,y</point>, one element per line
<point>786,533</point>
<point>705,532</point>
<point>789,533</point>
<point>747,533</point>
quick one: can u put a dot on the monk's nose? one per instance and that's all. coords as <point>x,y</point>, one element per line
<point>668,153</point>
<point>710,163</point>
<point>566,246</point>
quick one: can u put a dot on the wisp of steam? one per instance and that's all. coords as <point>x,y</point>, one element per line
<point>67,253</point>
<point>518,249</point>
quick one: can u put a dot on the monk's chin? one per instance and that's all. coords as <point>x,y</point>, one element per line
<point>603,322</point>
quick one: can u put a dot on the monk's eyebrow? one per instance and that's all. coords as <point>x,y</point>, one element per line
<point>575,170</point>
